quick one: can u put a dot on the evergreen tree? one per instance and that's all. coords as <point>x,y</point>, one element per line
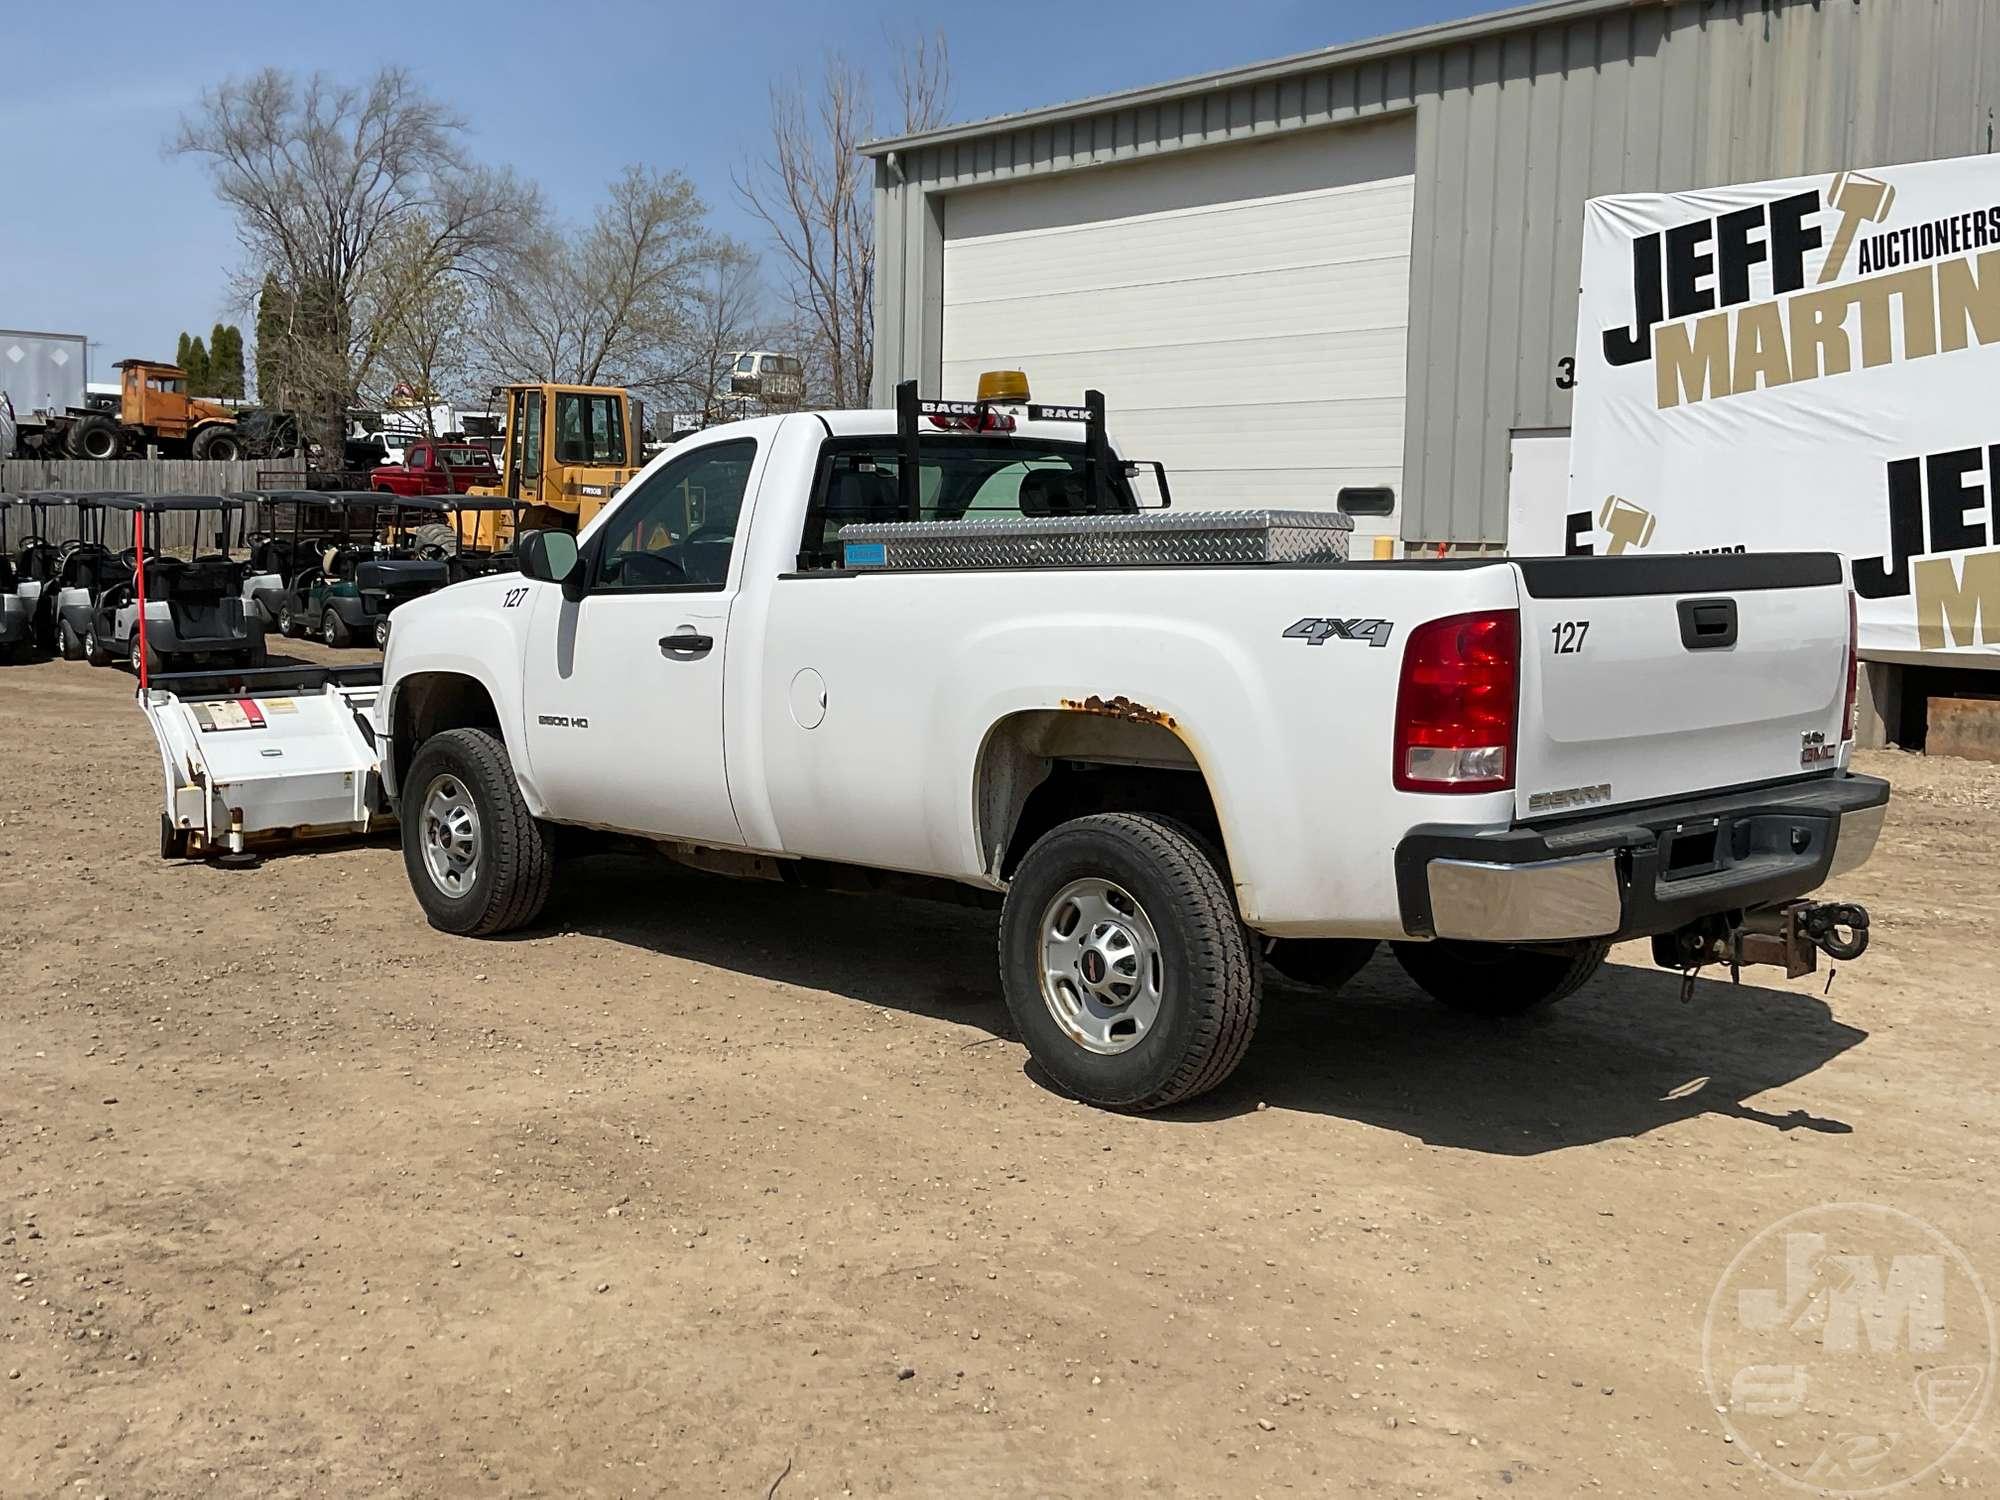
<point>181,351</point>
<point>196,365</point>
<point>225,361</point>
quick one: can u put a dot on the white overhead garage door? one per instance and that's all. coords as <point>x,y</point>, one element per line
<point>1243,309</point>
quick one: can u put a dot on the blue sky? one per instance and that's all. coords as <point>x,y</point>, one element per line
<point>101,233</point>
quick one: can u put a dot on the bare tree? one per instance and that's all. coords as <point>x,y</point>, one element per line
<point>423,325</point>
<point>615,302</point>
<point>727,322</point>
<point>323,179</point>
<point>813,192</point>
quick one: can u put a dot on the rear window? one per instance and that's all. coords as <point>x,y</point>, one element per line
<point>958,478</point>
<point>460,457</point>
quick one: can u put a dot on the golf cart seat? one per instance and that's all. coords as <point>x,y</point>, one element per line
<point>38,563</point>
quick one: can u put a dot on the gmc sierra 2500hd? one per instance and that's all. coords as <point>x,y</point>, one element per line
<point>954,643</point>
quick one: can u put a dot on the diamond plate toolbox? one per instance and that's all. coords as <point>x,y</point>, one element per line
<point>1147,539</point>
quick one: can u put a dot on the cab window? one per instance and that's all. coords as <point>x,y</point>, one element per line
<point>678,529</point>
<point>589,429</point>
<point>968,478</point>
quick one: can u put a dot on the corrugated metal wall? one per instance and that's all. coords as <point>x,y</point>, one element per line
<point>1515,129</point>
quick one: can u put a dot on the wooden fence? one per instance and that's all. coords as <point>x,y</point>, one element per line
<point>153,476</point>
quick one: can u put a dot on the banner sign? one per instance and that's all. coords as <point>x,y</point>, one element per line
<point>1812,363</point>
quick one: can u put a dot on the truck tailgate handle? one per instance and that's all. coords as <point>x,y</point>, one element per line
<point>686,645</point>
<point>1708,624</point>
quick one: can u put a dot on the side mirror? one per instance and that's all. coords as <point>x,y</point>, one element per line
<point>550,557</point>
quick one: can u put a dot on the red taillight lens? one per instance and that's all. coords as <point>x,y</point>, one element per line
<point>986,421</point>
<point>1457,704</point>
<point>1853,665</point>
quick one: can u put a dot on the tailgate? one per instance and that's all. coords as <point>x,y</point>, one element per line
<point>1649,678</point>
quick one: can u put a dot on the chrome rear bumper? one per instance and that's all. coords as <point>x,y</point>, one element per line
<point>1641,871</point>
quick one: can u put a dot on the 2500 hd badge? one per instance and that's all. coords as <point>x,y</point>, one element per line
<point>562,721</point>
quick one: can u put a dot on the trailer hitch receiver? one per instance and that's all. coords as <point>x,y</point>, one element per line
<point>1790,936</point>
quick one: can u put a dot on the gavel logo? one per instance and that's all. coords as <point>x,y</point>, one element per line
<point>1858,199</point>
<point>1627,525</point>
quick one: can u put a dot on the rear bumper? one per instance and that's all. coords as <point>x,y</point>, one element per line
<point>1641,870</point>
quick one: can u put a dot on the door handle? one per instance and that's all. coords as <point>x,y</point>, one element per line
<point>686,645</point>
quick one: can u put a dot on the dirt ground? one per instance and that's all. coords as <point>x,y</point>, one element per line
<point>301,1198</point>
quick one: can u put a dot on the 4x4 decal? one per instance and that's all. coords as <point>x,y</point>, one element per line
<point>1317,631</point>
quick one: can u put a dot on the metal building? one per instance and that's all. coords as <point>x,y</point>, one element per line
<point>1357,268</point>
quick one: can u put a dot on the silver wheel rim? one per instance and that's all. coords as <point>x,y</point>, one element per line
<point>284,622</point>
<point>382,633</point>
<point>326,630</point>
<point>449,827</point>
<point>1102,969</point>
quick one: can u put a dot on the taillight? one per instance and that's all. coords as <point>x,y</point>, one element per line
<point>1458,703</point>
<point>1853,666</point>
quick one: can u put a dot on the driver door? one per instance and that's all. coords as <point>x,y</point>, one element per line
<point>624,688</point>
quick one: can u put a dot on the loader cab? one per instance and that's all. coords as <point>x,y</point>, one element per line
<point>184,586</point>
<point>568,450</point>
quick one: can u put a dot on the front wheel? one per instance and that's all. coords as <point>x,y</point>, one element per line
<point>478,861</point>
<point>1496,981</point>
<point>1126,967</point>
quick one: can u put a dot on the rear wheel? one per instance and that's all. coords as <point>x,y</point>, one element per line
<point>288,625</point>
<point>154,661</point>
<point>70,643</point>
<point>333,630</point>
<point>95,436</point>
<point>1126,967</point>
<point>1322,963</point>
<point>217,445</point>
<point>478,861</point>
<point>1495,980</point>
<point>382,634</point>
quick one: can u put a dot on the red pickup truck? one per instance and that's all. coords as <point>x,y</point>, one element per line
<point>436,468</point>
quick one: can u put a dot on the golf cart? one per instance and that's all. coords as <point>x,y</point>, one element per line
<point>192,606</point>
<point>469,539</point>
<point>17,613</point>
<point>349,591</point>
<point>279,552</point>
<point>77,571</point>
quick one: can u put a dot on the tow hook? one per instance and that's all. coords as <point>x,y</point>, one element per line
<point>1790,936</point>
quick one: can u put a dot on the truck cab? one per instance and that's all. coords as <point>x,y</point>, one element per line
<point>432,466</point>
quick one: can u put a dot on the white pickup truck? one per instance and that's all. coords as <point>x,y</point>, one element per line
<point>953,644</point>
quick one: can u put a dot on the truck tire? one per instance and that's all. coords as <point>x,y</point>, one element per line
<point>1321,963</point>
<point>217,444</point>
<point>333,630</point>
<point>1126,968</point>
<point>93,436</point>
<point>1495,980</point>
<point>478,861</point>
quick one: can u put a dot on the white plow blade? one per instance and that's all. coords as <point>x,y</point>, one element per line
<point>252,764</point>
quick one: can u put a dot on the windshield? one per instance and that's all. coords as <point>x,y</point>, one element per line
<point>589,429</point>
<point>958,478</point>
